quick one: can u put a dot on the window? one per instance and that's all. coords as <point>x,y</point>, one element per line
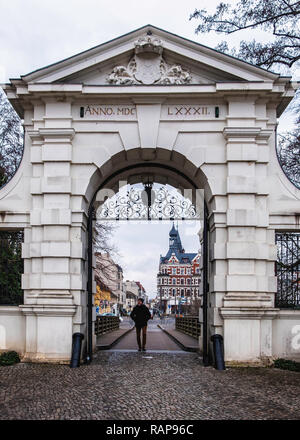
<point>182,280</point>
<point>174,281</point>
<point>174,270</point>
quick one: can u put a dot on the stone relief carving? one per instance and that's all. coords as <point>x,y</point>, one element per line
<point>148,66</point>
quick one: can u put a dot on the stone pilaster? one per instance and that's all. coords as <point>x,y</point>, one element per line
<point>52,251</point>
<point>250,251</point>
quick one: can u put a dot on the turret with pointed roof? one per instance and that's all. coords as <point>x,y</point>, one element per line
<point>175,247</point>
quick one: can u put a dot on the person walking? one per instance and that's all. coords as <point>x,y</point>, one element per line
<point>141,315</point>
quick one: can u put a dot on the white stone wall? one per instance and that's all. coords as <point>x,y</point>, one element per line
<point>286,335</point>
<point>12,329</point>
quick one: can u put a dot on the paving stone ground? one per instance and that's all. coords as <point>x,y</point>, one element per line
<point>137,386</point>
<point>156,340</point>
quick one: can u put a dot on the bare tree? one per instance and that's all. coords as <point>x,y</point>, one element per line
<point>288,150</point>
<point>281,19</point>
<point>103,234</point>
<point>11,140</point>
<point>104,231</point>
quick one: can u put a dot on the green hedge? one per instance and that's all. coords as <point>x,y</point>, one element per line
<point>286,364</point>
<point>9,358</point>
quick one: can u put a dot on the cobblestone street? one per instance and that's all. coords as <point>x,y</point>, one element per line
<point>136,386</point>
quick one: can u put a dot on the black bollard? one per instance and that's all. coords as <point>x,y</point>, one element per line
<point>218,351</point>
<point>76,349</point>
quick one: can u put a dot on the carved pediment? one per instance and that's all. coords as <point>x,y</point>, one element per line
<point>148,66</point>
<point>148,56</point>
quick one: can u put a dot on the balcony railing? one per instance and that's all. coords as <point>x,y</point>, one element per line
<point>106,324</point>
<point>189,325</point>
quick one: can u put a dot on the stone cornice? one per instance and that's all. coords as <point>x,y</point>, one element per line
<point>42,310</point>
<point>246,132</point>
<point>42,133</point>
<point>249,312</point>
<point>10,310</point>
<point>66,133</point>
<point>225,87</point>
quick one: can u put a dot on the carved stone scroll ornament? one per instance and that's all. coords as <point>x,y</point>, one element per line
<point>147,66</point>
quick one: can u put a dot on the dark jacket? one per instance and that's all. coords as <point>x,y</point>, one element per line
<point>140,315</point>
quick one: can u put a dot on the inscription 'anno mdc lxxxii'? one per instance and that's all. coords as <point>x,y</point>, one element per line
<point>188,110</point>
<point>173,111</point>
<point>109,110</point>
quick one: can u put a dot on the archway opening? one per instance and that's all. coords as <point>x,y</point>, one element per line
<point>153,194</point>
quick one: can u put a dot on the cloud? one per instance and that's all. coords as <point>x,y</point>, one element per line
<point>37,33</point>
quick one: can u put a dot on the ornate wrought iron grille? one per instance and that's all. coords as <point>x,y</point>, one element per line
<point>148,203</point>
<point>11,267</point>
<point>288,270</point>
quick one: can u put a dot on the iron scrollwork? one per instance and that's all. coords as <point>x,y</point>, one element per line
<point>147,203</point>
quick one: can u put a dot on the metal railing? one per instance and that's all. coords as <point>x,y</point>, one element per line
<point>189,325</point>
<point>288,270</point>
<point>106,324</point>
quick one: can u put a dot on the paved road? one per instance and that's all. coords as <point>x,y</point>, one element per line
<point>136,386</point>
<point>152,323</point>
<point>156,339</point>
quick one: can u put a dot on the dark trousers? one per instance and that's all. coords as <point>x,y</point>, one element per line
<point>138,335</point>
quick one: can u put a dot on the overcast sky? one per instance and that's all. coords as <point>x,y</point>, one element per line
<point>35,33</point>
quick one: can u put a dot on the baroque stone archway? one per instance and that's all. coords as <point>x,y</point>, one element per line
<point>144,172</point>
<point>151,97</point>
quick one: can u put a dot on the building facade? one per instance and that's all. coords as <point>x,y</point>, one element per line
<point>134,291</point>
<point>109,276</point>
<point>178,278</point>
<point>104,299</point>
<point>142,292</point>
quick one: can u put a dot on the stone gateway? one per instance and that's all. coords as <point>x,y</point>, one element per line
<point>150,102</point>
